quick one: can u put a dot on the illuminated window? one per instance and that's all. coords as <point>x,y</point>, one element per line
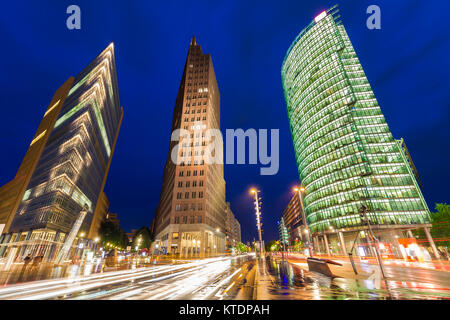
<point>38,137</point>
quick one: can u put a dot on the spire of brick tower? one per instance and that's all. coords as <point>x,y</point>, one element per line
<point>193,42</point>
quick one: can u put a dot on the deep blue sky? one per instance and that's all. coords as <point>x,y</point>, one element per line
<point>407,63</point>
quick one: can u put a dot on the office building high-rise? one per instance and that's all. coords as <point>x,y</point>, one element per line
<point>66,165</point>
<point>232,229</point>
<point>190,218</point>
<point>345,152</point>
<point>292,217</point>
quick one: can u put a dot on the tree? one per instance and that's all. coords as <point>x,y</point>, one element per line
<point>240,247</point>
<point>440,230</point>
<point>297,245</point>
<point>112,234</point>
<point>273,245</point>
<point>144,234</point>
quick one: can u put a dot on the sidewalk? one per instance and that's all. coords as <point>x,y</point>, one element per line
<point>273,281</point>
<point>263,281</point>
<point>441,265</point>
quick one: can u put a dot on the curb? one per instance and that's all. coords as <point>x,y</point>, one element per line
<point>255,283</point>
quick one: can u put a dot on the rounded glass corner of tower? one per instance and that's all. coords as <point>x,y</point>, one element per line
<point>346,155</point>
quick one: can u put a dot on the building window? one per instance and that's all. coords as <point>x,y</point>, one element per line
<point>186,195</point>
<point>177,207</point>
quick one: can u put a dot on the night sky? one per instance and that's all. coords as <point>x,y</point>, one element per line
<point>407,63</point>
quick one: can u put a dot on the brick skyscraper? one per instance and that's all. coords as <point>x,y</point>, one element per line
<point>190,218</point>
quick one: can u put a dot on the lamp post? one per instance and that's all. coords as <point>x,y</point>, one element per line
<point>81,245</point>
<point>374,240</point>
<point>217,241</point>
<point>139,240</point>
<point>306,230</point>
<point>258,220</point>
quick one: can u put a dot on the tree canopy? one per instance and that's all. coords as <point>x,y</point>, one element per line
<point>272,245</point>
<point>440,230</point>
<point>145,238</point>
<point>113,234</point>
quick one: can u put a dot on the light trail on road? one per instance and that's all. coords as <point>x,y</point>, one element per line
<point>197,279</point>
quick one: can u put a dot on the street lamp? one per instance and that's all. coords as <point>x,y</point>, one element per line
<point>139,240</point>
<point>258,219</point>
<point>300,190</point>
<point>365,218</point>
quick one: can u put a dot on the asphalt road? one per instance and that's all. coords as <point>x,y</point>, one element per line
<point>213,278</point>
<point>233,278</point>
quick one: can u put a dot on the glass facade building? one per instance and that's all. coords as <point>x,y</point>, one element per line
<point>345,152</point>
<point>67,163</point>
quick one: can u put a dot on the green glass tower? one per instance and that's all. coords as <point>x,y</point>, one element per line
<point>345,152</point>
